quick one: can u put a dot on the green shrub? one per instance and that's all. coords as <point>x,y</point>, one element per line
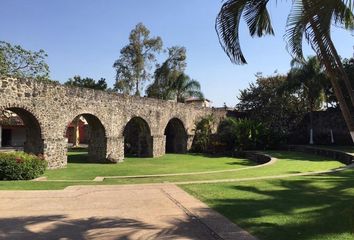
<point>203,133</point>
<point>21,166</point>
<point>243,134</point>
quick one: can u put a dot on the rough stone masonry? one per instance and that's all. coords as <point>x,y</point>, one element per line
<point>116,121</point>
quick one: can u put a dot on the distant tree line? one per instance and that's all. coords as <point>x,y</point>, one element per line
<point>135,67</point>
<point>274,106</point>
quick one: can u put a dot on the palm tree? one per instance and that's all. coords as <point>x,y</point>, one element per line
<point>185,87</point>
<point>310,20</point>
<point>308,77</point>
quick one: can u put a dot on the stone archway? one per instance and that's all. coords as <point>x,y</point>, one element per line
<point>94,135</point>
<point>32,141</point>
<point>176,137</point>
<point>137,138</point>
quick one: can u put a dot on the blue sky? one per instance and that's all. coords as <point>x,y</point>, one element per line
<point>84,38</point>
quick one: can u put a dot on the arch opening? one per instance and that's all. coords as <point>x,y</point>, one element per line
<point>176,137</point>
<point>86,133</point>
<point>137,138</point>
<point>20,129</point>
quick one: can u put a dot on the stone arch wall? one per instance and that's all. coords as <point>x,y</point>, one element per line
<point>34,139</point>
<point>97,146</point>
<point>176,136</point>
<point>137,138</point>
<point>55,105</point>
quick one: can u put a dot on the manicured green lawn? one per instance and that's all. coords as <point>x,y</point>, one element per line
<point>79,169</point>
<point>348,149</point>
<point>288,163</point>
<point>306,208</point>
<point>309,208</point>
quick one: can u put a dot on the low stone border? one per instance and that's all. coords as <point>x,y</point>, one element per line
<point>256,156</point>
<point>341,156</point>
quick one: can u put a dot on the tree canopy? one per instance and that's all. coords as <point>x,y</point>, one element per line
<point>133,65</point>
<point>18,62</point>
<point>171,83</point>
<point>308,20</point>
<point>166,74</point>
<point>86,82</point>
<point>268,102</point>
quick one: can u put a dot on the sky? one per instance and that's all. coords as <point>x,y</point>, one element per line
<point>84,38</point>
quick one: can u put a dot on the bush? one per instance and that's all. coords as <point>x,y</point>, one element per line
<point>203,133</point>
<point>243,134</point>
<point>21,166</point>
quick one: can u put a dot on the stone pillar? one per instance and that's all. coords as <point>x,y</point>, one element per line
<point>54,152</point>
<point>0,136</point>
<point>115,149</point>
<point>189,141</point>
<point>158,145</point>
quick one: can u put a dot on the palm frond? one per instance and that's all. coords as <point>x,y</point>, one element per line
<point>227,25</point>
<point>257,18</point>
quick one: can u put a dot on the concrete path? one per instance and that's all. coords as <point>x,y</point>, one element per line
<point>160,211</point>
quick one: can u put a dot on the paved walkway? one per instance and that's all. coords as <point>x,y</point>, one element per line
<point>160,211</point>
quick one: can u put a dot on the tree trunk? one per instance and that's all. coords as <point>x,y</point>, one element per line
<point>137,92</point>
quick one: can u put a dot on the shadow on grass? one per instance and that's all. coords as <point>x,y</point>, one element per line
<point>298,156</point>
<point>81,157</point>
<point>61,227</point>
<point>245,163</point>
<point>313,208</point>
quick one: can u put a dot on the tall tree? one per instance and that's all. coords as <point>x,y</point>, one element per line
<point>166,74</point>
<point>184,87</point>
<point>132,67</point>
<point>309,80</point>
<point>78,81</point>
<point>18,62</point>
<point>309,19</point>
<point>267,101</point>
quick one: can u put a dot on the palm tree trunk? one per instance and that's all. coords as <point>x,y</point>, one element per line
<point>330,68</point>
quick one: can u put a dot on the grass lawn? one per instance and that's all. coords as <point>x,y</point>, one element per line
<point>78,169</point>
<point>288,163</point>
<point>307,208</point>
<point>348,149</point>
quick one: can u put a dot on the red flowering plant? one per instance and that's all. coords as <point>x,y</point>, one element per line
<point>21,166</point>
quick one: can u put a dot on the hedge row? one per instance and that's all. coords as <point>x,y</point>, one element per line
<point>21,166</point>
